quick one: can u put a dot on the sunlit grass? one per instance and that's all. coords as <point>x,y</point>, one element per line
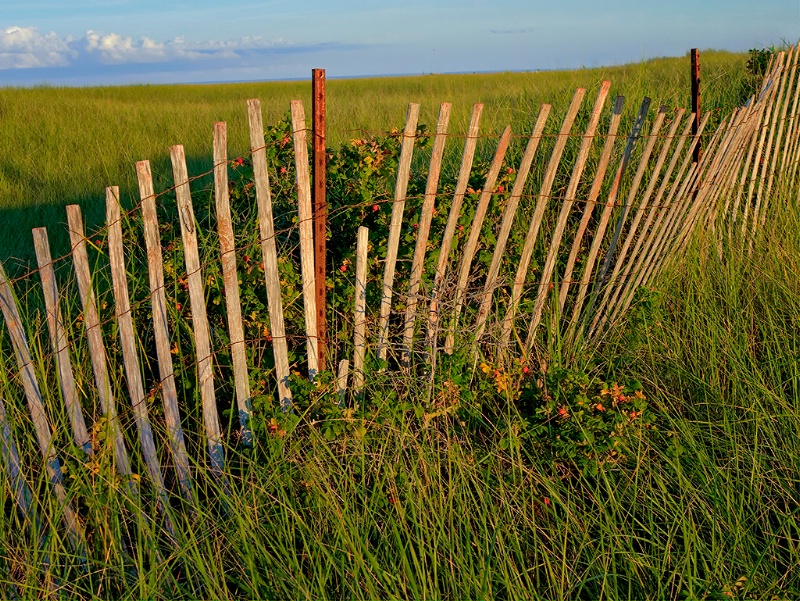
<point>64,145</point>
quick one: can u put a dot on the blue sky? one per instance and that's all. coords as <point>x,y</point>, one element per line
<point>90,42</point>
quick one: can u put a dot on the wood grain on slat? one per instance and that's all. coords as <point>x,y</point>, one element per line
<point>464,172</point>
<point>423,230</point>
<point>269,252</point>
<point>611,255</point>
<point>197,300</point>
<point>566,208</point>
<point>541,205</point>
<point>471,247</point>
<point>233,306</point>
<point>306,228</point>
<point>231,282</point>
<point>128,340</point>
<point>395,227</point>
<point>341,380</point>
<point>605,216</point>
<point>58,340</point>
<point>33,394</point>
<point>360,317</point>
<point>97,349</point>
<point>13,466</point>
<point>158,301</point>
<point>591,200</point>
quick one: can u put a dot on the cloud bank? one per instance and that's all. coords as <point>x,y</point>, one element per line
<point>28,48</point>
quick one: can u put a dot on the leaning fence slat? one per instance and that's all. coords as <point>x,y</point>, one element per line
<point>360,317</point>
<point>33,394</point>
<point>306,227</point>
<point>94,334</point>
<point>591,201</point>
<point>233,306</point>
<point>566,208</point>
<point>396,224</point>
<point>464,172</point>
<point>341,380</point>
<point>12,465</point>
<point>158,301</point>
<point>655,208</point>
<point>792,117</point>
<point>197,299</point>
<point>128,338</point>
<point>772,150</point>
<point>474,234</point>
<point>793,52</point>
<point>58,340</point>
<point>269,252</point>
<point>423,230</point>
<point>619,258</point>
<point>758,164</point>
<point>541,205</point>
<point>605,216</point>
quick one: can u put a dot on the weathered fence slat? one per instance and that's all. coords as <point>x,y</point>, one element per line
<point>758,164</point>
<point>33,394</point>
<point>130,356</point>
<point>269,252</point>
<point>772,150</point>
<point>679,186</point>
<point>306,228</point>
<point>541,205</point>
<point>197,299</point>
<point>791,135</point>
<point>591,201</point>
<point>58,340</point>
<point>623,261</point>
<point>13,467</point>
<point>566,208</point>
<point>97,349</point>
<point>588,269</point>
<point>656,208</point>
<point>423,231</point>
<point>395,226</point>
<point>155,269</point>
<point>619,258</point>
<point>474,234</point>
<point>464,172</point>
<point>753,122</point>
<point>360,317</point>
<point>341,380</point>
<point>233,306</point>
<point>782,121</point>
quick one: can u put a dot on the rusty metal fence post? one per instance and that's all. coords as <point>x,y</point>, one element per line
<point>320,174</point>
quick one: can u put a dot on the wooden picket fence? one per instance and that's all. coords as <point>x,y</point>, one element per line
<point>619,243</point>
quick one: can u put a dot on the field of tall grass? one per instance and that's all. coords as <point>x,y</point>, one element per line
<point>64,145</point>
<point>683,483</point>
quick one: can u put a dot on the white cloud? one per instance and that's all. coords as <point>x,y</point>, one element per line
<point>27,48</point>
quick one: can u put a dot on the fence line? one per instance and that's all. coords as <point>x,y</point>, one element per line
<point>661,211</point>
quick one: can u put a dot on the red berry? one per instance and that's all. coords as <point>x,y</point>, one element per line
<point>375,208</point>
<point>343,268</point>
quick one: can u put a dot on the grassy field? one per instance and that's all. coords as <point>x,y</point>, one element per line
<point>64,145</point>
<point>469,492</point>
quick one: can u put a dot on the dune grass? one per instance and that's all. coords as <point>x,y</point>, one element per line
<point>453,493</point>
<point>705,506</point>
<point>64,145</point>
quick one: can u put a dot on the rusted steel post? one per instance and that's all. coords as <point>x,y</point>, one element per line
<point>696,99</point>
<point>320,174</point>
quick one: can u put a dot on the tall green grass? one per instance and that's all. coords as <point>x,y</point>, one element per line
<point>705,507</point>
<point>64,145</point>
